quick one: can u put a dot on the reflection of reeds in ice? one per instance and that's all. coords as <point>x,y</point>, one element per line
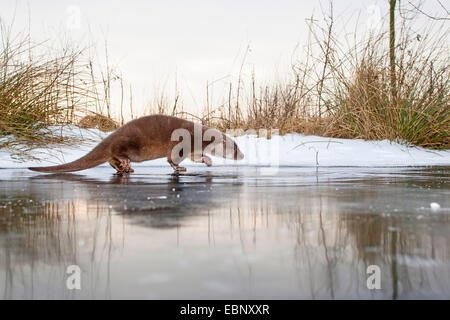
<point>41,239</point>
<point>411,250</point>
<point>333,247</point>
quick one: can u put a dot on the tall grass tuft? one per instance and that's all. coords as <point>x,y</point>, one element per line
<point>362,105</point>
<point>41,88</point>
<point>35,92</point>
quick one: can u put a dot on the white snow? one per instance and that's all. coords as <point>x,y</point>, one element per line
<point>435,206</point>
<point>287,150</point>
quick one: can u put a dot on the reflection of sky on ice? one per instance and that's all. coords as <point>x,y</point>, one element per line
<point>226,233</point>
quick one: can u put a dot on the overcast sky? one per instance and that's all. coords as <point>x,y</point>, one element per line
<point>154,42</point>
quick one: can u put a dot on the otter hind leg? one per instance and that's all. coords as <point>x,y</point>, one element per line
<point>122,165</point>
<point>126,165</point>
<point>115,163</point>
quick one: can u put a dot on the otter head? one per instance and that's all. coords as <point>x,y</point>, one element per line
<point>231,150</point>
<point>222,146</point>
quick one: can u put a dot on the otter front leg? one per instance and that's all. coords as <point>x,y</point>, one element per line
<point>176,167</point>
<point>201,159</point>
<point>175,158</point>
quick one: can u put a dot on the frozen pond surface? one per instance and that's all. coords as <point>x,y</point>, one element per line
<point>226,233</point>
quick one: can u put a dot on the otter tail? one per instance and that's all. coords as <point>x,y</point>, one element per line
<point>94,158</point>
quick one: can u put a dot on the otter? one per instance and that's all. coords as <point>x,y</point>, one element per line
<point>153,137</point>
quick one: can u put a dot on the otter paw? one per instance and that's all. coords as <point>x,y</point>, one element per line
<point>124,166</point>
<point>207,161</point>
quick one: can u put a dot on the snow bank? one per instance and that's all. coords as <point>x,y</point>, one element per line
<point>288,150</point>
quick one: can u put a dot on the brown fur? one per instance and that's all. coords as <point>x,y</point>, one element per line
<point>146,138</point>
